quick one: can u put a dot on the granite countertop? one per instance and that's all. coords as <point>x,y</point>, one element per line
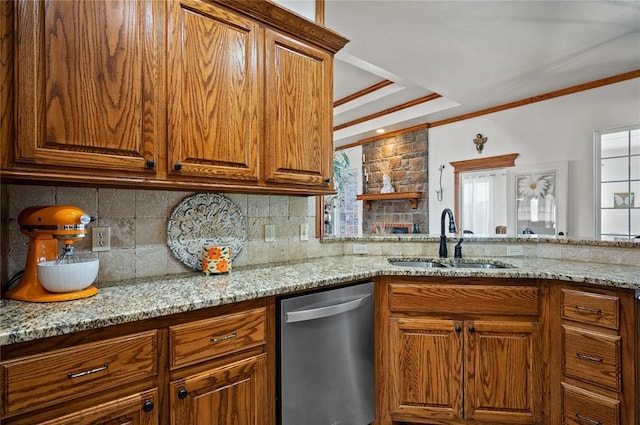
<point>139,299</point>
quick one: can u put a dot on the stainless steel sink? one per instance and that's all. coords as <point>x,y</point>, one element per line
<point>477,266</point>
<point>450,263</point>
<point>423,264</point>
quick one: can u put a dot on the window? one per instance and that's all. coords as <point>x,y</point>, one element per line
<point>617,182</point>
<point>483,203</point>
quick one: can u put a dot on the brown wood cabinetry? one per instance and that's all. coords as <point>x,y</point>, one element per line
<point>214,92</point>
<point>205,367</point>
<point>298,117</point>
<point>459,353</point>
<point>139,409</point>
<point>597,383</point>
<point>231,394</point>
<point>227,95</point>
<point>227,392</point>
<point>88,84</point>
<point>51,379</point>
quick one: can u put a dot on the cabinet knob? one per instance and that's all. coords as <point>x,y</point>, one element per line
<point>472,329</point>
<point>327,180</point>
<point>177,166</point>
<point>147,406</point>
<point>458,329</point>
<point>150,164</point>
<point>182,393</point>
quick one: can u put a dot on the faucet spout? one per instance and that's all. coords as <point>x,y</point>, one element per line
<point>443,236</point>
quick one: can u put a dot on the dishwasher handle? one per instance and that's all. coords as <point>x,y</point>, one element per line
<point>326,311</point>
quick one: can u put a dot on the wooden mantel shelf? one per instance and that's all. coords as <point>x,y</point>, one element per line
<point>412,197</point>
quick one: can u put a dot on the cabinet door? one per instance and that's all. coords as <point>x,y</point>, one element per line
<point>502,372</point>
<point>87,83</point>
<point>426,374</point>
<point>298,116</point>
<point>139,409</point>
<point>230,395</point>
<point>215,93</point>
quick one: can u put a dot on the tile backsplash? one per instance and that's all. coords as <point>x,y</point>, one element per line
<point>138,225</point>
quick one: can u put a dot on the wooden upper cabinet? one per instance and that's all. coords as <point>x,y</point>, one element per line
<point>214,92</point>
<point>87,82</point>
<point>299,84</point>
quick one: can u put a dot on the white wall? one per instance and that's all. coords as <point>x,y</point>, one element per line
<point>306,8</point>
<point>553,130</point>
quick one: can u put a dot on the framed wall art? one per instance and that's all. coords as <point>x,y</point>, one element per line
<point>537,199</point>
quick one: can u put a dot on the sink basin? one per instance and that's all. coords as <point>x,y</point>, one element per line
<point>476,266</point>
<point>423,264</point>
<point>450,263</point>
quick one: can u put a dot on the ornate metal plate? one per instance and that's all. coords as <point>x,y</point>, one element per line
<point>201,220</point>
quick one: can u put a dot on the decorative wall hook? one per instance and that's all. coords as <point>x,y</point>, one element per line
<point>479,142</point>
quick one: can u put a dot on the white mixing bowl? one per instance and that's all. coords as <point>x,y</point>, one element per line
<point>68,277</point>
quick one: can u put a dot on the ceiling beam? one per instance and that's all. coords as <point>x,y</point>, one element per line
<point>363,92</point>
<point>396,108</point>
<point>546,96</point>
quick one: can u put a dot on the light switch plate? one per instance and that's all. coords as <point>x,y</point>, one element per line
<point>269,232</point>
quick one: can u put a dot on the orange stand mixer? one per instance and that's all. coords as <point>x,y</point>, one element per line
<point>45,226</point>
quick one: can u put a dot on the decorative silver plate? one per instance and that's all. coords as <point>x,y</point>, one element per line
<point>202,220</point>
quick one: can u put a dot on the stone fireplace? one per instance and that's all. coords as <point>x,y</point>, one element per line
<point>404,157</point>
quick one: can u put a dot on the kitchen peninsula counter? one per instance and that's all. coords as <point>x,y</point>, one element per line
<point>140,299</point>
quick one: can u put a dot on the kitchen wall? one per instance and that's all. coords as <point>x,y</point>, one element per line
<point>138,222</point>
<point>552,130</point>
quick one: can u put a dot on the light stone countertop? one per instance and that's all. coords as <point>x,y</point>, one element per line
<point>139,299</point>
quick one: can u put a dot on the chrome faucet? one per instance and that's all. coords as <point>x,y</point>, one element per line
<point>443,235</point>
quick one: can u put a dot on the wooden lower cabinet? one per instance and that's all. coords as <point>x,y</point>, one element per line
<point>455,367</point>
<point>449,369</point>
<point>138,409</point>
<point>598,330</point>
<point>206,367</point>
<point>231,394</point>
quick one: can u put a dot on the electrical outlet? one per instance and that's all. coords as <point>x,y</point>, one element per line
<point>100,239</point>
<point>304,232</point>
<point>269,232</point>
<point>359,248</point>
<point>514,250</point>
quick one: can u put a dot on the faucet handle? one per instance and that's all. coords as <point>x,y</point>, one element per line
<point>457,250</point>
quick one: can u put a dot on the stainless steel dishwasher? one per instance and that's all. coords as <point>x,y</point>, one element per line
<point>326,373</point>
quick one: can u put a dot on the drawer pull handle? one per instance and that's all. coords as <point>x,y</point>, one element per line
<point>88,372</point>
<point>580,308</point>
<point>223,338</point>
<point>588,420</point>
<point>590,358</point>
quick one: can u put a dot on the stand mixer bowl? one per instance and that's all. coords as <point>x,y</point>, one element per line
<point>67,277</point>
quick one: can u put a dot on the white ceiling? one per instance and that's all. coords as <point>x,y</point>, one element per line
<point>476,54</point>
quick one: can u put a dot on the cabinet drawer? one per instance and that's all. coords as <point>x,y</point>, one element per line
<point>581,407</point>
<point>592,356</point>
<point>592,308</point>
<point>206,339</point>
<point>77,371</point>
<point>466,299</point>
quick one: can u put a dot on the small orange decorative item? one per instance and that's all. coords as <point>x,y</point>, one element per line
<point>216,259</point>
